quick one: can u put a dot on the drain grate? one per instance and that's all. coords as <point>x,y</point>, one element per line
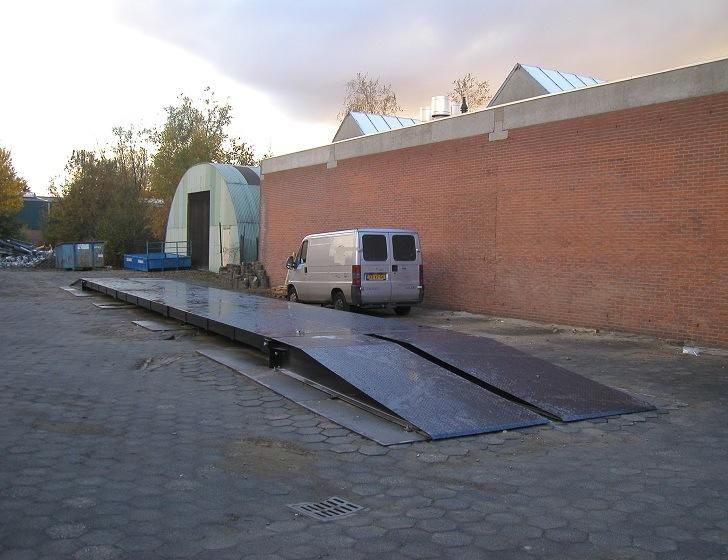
<point>327,510</point>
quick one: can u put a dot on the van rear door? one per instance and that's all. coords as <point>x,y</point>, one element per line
<point>405,269</point>
<point>375,280</point>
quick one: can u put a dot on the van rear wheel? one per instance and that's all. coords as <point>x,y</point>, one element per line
<point>339,301</point>
<point>402,310</point>
<point>292,294</point>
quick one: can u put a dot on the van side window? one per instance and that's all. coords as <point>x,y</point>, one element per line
<point>302,252</point>
<point>375,247</point>
<point>403,247</point>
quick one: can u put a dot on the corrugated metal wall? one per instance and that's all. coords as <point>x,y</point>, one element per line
<point>234,211</point>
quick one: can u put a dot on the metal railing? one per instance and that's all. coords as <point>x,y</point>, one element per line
<point>178,248</point>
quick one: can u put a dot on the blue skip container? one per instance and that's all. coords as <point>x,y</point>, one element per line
<point>160,255</point>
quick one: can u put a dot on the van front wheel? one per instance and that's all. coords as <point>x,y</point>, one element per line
<point>402,310</point>
<point>292,294</point>
<point>339,301</point>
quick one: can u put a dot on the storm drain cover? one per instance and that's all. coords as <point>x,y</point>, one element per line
<point>327,510</point>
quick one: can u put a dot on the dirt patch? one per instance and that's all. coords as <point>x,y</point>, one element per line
<point>125,330</point>
<point>199,277</point>
<point>261,456</point>
<point>150,364</point>
<point>472,323</point>
<point>72,428</point>
<point>510,330</point>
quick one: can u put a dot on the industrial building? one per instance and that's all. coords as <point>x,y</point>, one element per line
<point>603,205</point>
<point>216,210</point>
<point>34,215</point>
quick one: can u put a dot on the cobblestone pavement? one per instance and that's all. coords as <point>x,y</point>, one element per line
<point>118,442</point>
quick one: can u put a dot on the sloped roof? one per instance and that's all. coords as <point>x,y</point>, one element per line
<point>359,124</point>
<point>556,80</point>
<point>32,197</point>
<point>525,81</point>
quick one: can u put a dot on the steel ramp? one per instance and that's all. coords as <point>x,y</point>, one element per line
<point>427,396</point>
<point>442,382</point>
<point>320,401</point>
<point>423,394</point>
<point>557,391</point>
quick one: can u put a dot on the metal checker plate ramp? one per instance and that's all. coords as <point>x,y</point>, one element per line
<point>424,394</point>
<point>565,394</point>
<point>327,510</point>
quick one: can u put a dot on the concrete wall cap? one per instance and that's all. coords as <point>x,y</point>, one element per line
<point>685,82</point>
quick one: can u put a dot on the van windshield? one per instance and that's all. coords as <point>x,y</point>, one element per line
<point>303,252</point>
<point>403,248</point>
<point>375,247</point>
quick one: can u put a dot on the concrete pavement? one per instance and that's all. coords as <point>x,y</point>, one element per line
<point>118,442</point>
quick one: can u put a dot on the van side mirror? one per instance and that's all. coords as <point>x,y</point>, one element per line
<point>291,263</point>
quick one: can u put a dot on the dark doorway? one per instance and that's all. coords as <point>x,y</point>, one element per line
<point>198,228</point>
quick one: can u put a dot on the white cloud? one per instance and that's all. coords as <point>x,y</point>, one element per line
<point>303,53</point>
<point>75,72</point>
<point>73,69</point>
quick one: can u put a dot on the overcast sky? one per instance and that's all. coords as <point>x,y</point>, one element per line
<point>73,69</point>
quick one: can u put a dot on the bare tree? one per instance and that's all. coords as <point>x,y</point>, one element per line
<point>476,92</point>
<point>369,95</point>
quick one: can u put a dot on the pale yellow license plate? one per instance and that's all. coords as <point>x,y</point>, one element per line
<point>376,276</point>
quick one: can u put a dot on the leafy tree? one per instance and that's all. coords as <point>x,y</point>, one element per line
<point>12,188</point>
<point>132,156</point>
<point>267,155</point>
<point>129,222</point>
<point>369,95</point>
<point>193,132</point>
<point>476,92</point>
<point>104,197</point>
<point>240,153</point>
<point>122,194</point>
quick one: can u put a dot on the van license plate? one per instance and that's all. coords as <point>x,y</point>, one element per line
<point>376,276</point>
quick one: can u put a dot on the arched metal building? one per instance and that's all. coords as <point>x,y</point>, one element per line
<point>216,210</point>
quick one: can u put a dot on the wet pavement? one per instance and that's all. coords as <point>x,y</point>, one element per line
<point>120,442</point>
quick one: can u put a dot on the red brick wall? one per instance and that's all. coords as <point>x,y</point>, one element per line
<point>614,221</point>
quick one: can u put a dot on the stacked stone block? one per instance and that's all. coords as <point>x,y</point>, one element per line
<point>245,276</point>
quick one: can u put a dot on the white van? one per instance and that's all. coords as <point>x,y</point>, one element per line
<point>373,267</point>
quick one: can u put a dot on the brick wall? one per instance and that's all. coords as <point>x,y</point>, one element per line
<point>615,221</point>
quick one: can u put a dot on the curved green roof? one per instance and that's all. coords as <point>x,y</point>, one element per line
<point>244,193</point>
